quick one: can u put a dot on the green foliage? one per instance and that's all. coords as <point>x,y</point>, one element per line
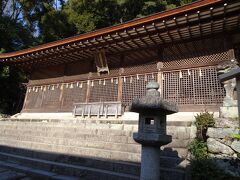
<point>198,149</point>
<point>14,35</point>
<point>11,89</point>
<point>235,136</point>
<point>80,15</point>
<point>47,18</point>
<point>204,120</point>
<point>206,169</point>
<point>54,25</point>
<point>87,15</point>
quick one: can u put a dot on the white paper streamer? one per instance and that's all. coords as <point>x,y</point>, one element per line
<point>180,74</point>
<point>131,79</point>
<point>145,77</point>
<point>200,72</point>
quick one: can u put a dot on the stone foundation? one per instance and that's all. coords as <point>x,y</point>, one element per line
<point>229,112</point>
<point>224,149</point>
<point>109,140</point>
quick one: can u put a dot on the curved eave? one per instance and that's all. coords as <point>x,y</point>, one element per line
<point>101,32</point>
<point>198,19</point>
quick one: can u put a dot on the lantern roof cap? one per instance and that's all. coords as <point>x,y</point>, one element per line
<point>152,101</point>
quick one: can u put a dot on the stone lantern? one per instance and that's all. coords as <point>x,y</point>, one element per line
<point>151,133</point>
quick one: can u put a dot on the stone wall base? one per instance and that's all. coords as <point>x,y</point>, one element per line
<point>229,112</point>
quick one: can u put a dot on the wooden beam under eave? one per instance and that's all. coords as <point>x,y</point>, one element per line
<point>149,19</point>
<point>169,29</point>
<point>141,38</point>
<point>122,41</point>
<point>117,43</point>
<point>154,41</point>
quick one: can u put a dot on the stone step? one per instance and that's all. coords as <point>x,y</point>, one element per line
<point>88,151</point>
<point>65,134</point>
<point>123,147</point>
<point>99,163</point>
<point>50,126</point>
<point>56,170</point>
<point>66,131</point>
<point>97,135</point>
<point>177,132</point>
<point>113,166</point>
<point>7,174</point>
<point>34,173</point>
<point>76,137</point>
<point>74,150</point>
<point>177,147</point>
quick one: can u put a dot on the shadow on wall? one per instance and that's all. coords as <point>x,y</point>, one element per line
<point>84,167</point>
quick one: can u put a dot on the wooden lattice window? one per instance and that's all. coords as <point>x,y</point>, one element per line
<point>73,93</point>
<point>34,98</point>
<point>135,87</point>
<point>103,90</point>
<point>193,86</point>
<point>194,61</point>
<point>51,98</point>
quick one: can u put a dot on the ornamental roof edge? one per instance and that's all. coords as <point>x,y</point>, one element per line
<point>113,29</point>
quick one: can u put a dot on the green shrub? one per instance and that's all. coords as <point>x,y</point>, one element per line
<point>198,149</point>
<point>204,120</point>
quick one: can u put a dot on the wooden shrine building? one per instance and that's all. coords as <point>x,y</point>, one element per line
<point>179,48</point>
